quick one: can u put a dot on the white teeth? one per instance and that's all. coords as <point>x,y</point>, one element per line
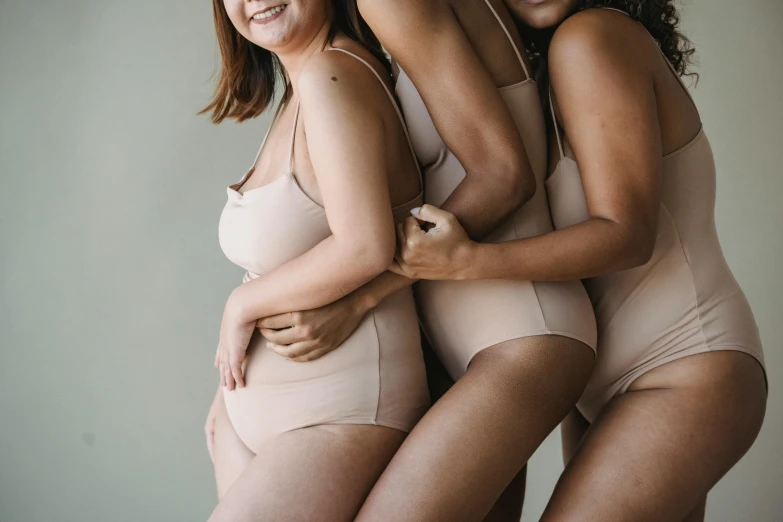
<point>269,12</point>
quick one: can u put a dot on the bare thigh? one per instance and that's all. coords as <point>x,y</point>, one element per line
<point>654,452</point>
<point>230,453</point>
<point>471,444</point>
<point>573,430</point>
<point>508,507</point>
<point>318,473</point>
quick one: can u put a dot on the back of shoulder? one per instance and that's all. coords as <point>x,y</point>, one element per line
<point>596,34</point>
<point>335,75</point>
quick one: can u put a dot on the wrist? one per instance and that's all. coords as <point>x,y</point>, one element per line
<point>238,306</point>
<point>364,299</point>
<point>467,261</point>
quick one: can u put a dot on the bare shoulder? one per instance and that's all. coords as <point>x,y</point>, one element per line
<point>334,76</point>
<point>600,39</point>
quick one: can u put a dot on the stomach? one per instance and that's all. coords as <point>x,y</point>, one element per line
<point>342,387</point>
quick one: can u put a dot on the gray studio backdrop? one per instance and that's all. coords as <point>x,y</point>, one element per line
<point>112,282</point>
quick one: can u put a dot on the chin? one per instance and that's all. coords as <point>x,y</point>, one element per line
<point>540,14</point>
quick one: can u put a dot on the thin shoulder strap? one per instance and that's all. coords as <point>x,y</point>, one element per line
<point>393,102</point>
<point>293,139</point>
<point>678,77</point>
<point>555,125</point>
<point>510,39</point>
<point>268,130</point>
<point>665,59</point>
<point>261,148</point>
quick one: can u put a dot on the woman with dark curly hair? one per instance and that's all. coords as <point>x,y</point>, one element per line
<point>678,393</point>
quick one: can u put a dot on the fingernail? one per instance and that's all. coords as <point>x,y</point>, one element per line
<point>415,211</point>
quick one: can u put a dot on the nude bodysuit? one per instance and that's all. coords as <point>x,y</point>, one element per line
<point>461,318</point>
<point>684,301</point>
<point>375,377</point>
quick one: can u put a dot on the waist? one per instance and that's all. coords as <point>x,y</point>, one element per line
<point>391,328</point>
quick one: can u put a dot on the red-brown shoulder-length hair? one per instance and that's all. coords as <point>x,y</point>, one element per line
<point>249,75</point>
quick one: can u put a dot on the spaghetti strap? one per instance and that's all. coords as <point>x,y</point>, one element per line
<point>665,59</point>
<point>510,39</point>
<point>293,139</point>
<point>554,124</point>
<point>394,104</point>
<point>679,78</point>
<point>268,130</point>
<point>242,181</point>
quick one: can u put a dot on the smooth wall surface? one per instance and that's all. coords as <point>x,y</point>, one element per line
<point>112,282</point>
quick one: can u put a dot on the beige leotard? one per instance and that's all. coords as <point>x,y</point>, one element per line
<point>461,318</point>
<point>375,377</point>
<point>684,301</point>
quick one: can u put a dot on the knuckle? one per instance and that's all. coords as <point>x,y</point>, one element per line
<point>308,331</point>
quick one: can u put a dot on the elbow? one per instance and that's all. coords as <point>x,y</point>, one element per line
<point>374,255</point>
<point>517,183</point>
<point>525,190</point>
<point>379,261</point>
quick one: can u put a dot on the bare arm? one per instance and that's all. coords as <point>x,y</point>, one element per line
<point>471,117</point>
<point>347,151</point>
<point>606,97</point>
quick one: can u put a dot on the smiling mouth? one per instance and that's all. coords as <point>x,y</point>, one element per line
<point>268,13</point>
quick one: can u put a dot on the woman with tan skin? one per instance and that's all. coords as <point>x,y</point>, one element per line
<point>521,352</point>
<point>679,393</point>
<point>291,441</point>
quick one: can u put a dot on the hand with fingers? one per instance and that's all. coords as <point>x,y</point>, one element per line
<point>309,335</point>
<point>235,334</point>
<point>441,251</point>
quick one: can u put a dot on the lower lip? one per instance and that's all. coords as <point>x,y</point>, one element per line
<point>269,18</point>
<point>534,2</point>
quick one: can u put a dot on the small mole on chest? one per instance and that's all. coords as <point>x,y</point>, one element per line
<point>334,78</point>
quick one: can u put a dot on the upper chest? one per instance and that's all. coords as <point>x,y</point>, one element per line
<point>284,152</point>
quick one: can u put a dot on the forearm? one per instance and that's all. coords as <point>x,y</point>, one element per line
<point>589,249</point>
<point>380,288</point>
<point>324,274</point>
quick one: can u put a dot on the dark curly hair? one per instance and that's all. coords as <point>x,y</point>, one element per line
<point>659,17</point>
